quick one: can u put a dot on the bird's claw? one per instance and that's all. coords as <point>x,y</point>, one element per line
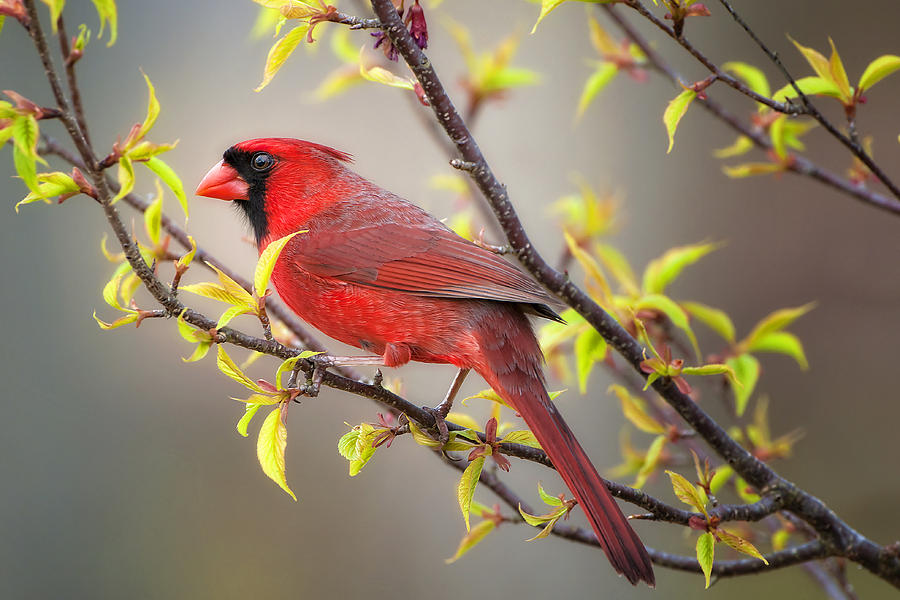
<point>439,423</point>
<point>314,383</point>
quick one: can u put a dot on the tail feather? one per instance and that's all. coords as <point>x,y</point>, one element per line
<point>512,366</point>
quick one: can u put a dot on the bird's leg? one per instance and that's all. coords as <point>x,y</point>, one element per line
<point>441,411</point>
<point>324,362</point>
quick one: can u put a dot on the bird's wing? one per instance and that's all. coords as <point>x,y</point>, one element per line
<point>409,252</point>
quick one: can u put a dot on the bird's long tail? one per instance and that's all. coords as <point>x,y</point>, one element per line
<point>513,368</point>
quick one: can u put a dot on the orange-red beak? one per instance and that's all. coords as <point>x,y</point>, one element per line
<point>224,183</point>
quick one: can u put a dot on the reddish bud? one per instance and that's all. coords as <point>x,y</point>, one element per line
<point>16,10</point>
<point>697,523</point>
<point>420,94</point>
<point>418,28</point>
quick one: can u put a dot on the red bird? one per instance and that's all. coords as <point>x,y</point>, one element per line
<point>381,274</point>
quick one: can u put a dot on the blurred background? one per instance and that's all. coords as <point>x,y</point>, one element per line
<point>122,474</point>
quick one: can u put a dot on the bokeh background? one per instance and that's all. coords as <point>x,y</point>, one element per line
<point>121,474</point>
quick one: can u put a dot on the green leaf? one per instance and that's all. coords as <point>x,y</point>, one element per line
<point>662,271</point>
<point>810,86</point>
<point>230,314</point>
<point>741,145</point>
<point>591,267</point>
<point>599,79</point>
<point>547,7</point>
<point>420,437</point>
<point>777,135</point>
<point>816,60</point>
<point>752,76</point>
<point>56,7</point>
<point>705,549</point>
<point>471,539</point>
<point>170,178</point>
<point>227,366</point>
<point>383,76</point>
<point>356,446</point>
<point>721,476</point>
<point>687,492</point>
<point>547,498</point>
<point>675,111</point>
<point>776,321</point>
<point>25,135</point>
<point>750,169</point>
<point>635,412</point>
<point>270,447</point>
<point>131,318</point>
<point>153,216</point>
<point>239,294</point>
<point>739,544</point>
<point>746,371</point>
<point>877,70</point>
<point>152,110</point>
<point>280,52</point>
<point>839,74</point>
<point>466,488</point>
<point>651,459</point>
<point>524,437</point>
<point>715,319</point>
<point>781,342</point>
<point>590,347</point>
<point>675,313</point>
<point>249,412</point>
<point>212,291</point>
<point>126,178</point>
<point>106,10</point>
<point>290,364</point>
<point>266,263</point>
<point>49,185</point>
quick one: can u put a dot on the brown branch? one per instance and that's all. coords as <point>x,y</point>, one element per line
<point>71,79</point>
<point>836,535</point>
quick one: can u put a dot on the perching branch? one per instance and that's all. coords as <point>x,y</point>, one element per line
<point>836,536</point>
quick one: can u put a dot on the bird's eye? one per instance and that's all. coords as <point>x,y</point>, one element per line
<point>262,161</point>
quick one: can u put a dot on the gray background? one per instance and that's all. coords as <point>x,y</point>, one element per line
<point>121,472</point>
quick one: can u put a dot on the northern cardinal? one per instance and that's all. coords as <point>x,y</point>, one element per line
<point>379,273</point>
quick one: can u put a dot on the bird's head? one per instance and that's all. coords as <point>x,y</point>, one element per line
<point>276,182</point>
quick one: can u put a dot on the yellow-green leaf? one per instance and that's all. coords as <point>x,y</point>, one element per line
<point>420,437</point>
<point>170,178</point>
<point>739,544</point>
<point>547,7</point>
<point>590,347</point>
<point>741,145</point>
<point>781,342</point>
<point>839,74</point>
<point>280,51</point>
<point>152,110</point>
<point>270,447</point>
<point>810,86</point>
<point>599,79</point>
<point>153,216</point>
<point>230,314</point>
<point>721,476</point>
<point>240,295</point>
<point>746,371</point>
<point>591,267</point>
<point>523,437</point>
<point>877,70</point>
<point>675,111</point>
<point>776,321</point>
<point>469,541</point>
<point>618,265</point>
<point>291,363</point>
<point>25,133</point>
<point>131,318</point>
<point>752,76</point>
<point>816,60</point>
<point>777,135</point>
<point>651,459</point>
<point>187,258</point>
<point>750,169</point>
<point>715,319</point>
<point>56,7</point>
<point>687,492</point>
<point>266,263</point>
<point>50,185</point>
<point>662,271</point>
<point>213,291</point>
<point>675,313</point>
<point>106,10</point>
<point>634,411</point>
<point>244,422</point>
<point>230,369</point>
<point>705,550</point>
<point>466,488</point>
<point>126,178</point>
<point>463,420</point>
<point>383,76</point>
